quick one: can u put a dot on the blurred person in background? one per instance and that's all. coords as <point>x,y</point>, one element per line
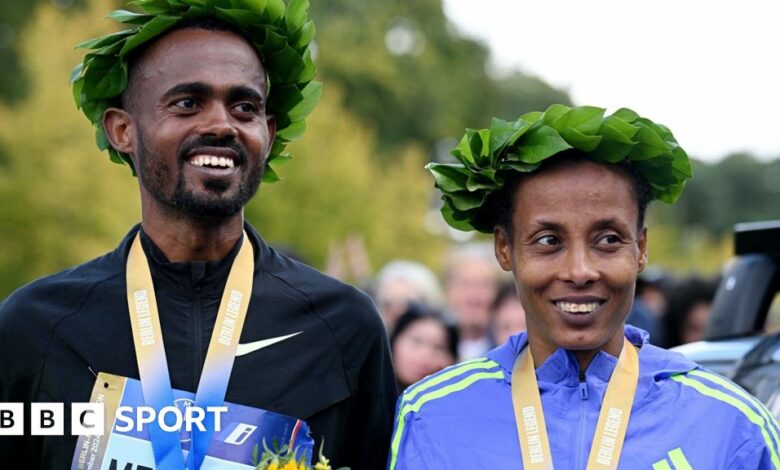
<point>508,314</point>
<point>422,342</point>
<point>471,280</point>
<point>650,305</point>
<point>399,283</point>
<point>688,310</point>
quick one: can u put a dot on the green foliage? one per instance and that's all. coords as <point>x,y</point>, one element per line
<point>489,156</point>
<point>425,91</point>
<point>738,188</point>
<point>62,204</point>
<point>336,188</point>
<point>280,34</point>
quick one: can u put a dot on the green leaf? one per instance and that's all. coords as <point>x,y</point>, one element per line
<point>153,7</point>
<point>154,28</point>
<point>292,132</point>
<point>463,151</point>
<point>129,17</point>
<point>285,65</point>
<point>464,200</point>
<point>449,217</point>
<point>500,133</point>
<point>520,166</point>
<point>309,70</point>
<point>304,36</point>
<point>296,14</point>
<point>241,18</point>
<point>274,10</point>
<point>105,77</point>
<point>649,145</point>
<point>311,96</point>
<point>580,141</point>
<point>284,97</point>
<point>269,175</point>
<point>553,112</point>
<point>449,177</point>
<point>481,180</point>
<point>75,74</point>
<point>584,120</point>
<point>106,40</point>
<point>533,116</point>
<point>273,41</point>
<point>626,115</point>
<point>539,144</point>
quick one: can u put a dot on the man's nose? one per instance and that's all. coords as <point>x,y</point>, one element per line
<point>579,267</point>
<point>217,121</point>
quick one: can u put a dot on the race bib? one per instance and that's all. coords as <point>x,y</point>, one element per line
<point>243,429</point>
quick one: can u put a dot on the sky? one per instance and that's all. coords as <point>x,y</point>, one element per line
<point>709,70</point>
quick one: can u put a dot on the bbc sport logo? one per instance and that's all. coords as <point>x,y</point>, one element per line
<point>88,419</point>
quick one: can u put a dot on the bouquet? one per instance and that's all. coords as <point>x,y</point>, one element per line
<point>285,458</point>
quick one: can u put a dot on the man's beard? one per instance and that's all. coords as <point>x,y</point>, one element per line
<point>155,175</point>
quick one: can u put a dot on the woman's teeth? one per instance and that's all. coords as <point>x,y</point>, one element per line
<point>571,307</point>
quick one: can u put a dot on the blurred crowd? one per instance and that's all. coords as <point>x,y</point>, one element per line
<point>435,321</point>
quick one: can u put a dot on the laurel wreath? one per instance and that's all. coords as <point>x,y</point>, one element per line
<point>489,156</point>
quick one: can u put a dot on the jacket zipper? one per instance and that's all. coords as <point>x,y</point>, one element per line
<point>583,389</point>
<point>198,341</point>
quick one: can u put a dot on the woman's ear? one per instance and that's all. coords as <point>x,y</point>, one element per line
<point>642,243</point>
<point>502,245</point>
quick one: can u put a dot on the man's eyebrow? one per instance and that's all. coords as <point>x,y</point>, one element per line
<point>243,92</point>
<point>542,224</point>
<point>193,88</point>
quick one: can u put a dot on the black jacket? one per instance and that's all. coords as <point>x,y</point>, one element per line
<point>337,374</point>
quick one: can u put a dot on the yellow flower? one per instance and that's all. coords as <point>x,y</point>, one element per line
<point>322,465</point>
<point>273,466</point>
<point>302,466</point>
<point>290,466</point>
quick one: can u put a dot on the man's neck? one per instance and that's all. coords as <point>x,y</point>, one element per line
<point>184,239</point>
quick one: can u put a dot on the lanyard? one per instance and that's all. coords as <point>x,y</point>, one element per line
<point>613,418</point>
<point>153,365</point>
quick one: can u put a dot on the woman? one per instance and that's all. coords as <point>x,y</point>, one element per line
<point>422,343</point>
<point>564,193</point>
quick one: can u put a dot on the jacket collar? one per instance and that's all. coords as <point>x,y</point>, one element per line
<point>562,367</point>
<point>208,276</point>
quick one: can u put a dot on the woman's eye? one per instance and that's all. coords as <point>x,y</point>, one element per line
<point>609,240</point>
<point>547,240</point>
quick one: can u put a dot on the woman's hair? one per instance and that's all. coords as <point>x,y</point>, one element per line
<point>500,205</point>
<point>416,312</point>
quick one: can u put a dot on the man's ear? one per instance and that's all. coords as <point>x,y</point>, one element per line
<point>642,243</point>
<point>502,245</point>
<point>120,130</point>
<point>271,121</point>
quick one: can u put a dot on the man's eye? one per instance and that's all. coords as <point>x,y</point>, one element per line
<point>548,240</point>
<point>609,240</point>
<point>186,103</point>
<point>246,108</point>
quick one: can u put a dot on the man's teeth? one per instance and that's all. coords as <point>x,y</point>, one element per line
<point>210,160</point>
<point>571,307</point>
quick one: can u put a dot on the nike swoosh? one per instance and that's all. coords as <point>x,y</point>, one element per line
<point>263,343</point>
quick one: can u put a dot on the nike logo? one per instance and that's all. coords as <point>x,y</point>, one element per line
<point>263,343</point>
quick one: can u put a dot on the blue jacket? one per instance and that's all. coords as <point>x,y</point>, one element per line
<point>683,417</point>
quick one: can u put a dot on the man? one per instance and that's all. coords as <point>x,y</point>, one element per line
<point>185,99</point>
<point>564,193</point>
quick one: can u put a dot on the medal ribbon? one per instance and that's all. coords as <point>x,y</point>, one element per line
<point>613,418</point>
<point>153,365</point>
